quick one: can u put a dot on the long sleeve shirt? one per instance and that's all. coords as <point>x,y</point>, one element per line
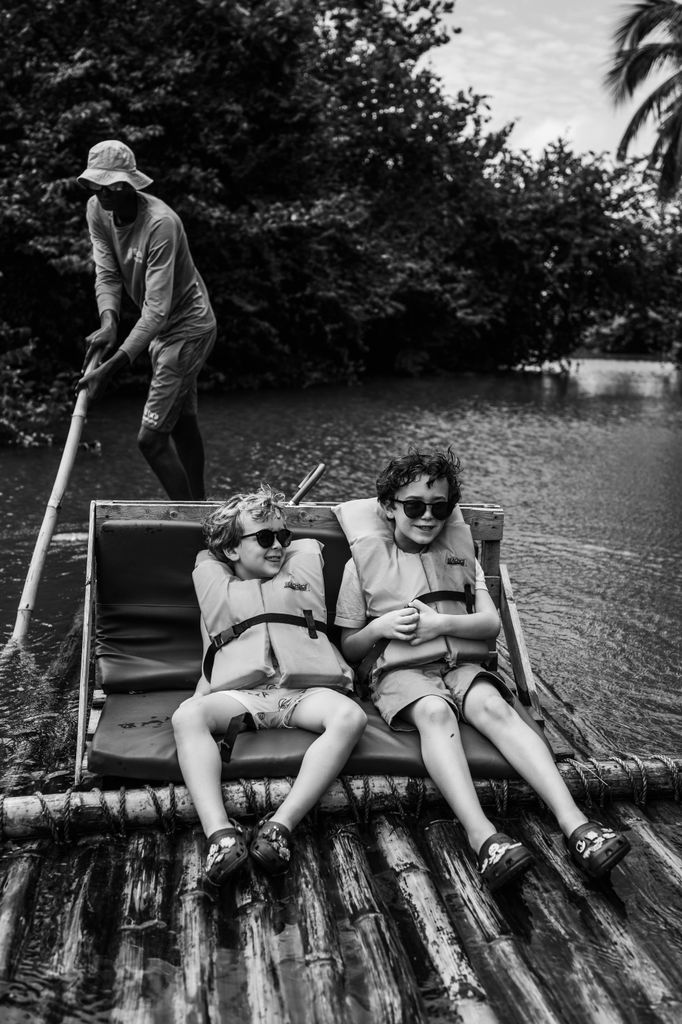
<point>151,259</point>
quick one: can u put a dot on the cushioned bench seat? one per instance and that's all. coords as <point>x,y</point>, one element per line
<point>134,740</point>
<point>148,653</point>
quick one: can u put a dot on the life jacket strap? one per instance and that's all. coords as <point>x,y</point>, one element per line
<point>219,640</point>
<point>236,725</point>
<point>466,597</point>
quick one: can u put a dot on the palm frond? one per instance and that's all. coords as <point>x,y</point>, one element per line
<point>632,67</point>
<point>646,17</point>
<point>669,92</point>
<point>671,164</point>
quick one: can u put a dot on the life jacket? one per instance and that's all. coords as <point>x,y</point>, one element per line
<point>443,576</point>
<point>247,624</point>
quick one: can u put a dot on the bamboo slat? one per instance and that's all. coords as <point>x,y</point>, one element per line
<point>258,945</point>
<point>143,932</point>
<point>16,897</point>
<point>432,922</point>
<point>323,994</point>
<point>483,931</point>
<point>639,980</point>
<point>388,983</point>
<point>193,921</point>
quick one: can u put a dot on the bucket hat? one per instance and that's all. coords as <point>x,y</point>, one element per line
<point>112,161</point>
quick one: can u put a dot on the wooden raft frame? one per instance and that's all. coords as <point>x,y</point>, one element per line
<point>485,520</point>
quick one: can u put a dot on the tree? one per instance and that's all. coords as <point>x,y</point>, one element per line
<point>648,40</point>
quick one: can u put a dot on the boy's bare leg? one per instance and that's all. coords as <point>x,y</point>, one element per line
<point>489,712</point>
<point>195,724</point>
<point>341,723</point>
<point>446,763</point>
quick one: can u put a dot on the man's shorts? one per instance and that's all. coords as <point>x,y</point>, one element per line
<point>272,708</point>
<point>173,387</point>
<point>397,689</point>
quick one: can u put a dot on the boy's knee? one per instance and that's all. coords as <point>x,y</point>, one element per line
<point>185,717</point>
<point>350,719</point>
<point>434,712</point>
<point>492,708</point>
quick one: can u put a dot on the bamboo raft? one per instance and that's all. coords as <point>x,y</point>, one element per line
<point>104,914</point>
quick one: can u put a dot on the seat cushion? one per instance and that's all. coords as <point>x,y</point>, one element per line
<point>134,740</point>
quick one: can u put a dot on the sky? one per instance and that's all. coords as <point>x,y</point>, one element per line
<point>542,64</point>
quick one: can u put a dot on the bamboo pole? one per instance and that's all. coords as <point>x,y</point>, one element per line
<point>258,945</point>
<point>97,810</point>
<point>389,987</point>
<point>431,921</point>
<point>194,922</point>
<point>639,980</point>
<point>35,571</point>
<point>17,896</point>
<point>143,931</point>
<point>322,998</point>
<point>483,930</point>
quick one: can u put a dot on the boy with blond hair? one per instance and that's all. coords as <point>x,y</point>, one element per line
<point>267,662</point>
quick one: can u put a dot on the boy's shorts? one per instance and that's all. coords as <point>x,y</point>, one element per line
<point>272,708</point>
<point>173,387</point>
<point>401,687</point>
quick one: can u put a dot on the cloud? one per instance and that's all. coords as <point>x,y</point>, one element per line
<point>542,65</point>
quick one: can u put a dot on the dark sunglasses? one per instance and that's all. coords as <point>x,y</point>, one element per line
<point>118,186</point>
<point>266,538</point>
<point>414,508</point>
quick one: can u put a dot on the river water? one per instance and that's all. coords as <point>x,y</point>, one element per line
<point>587,467</point>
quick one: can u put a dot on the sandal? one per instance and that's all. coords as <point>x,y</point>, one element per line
<point>501,860</point>
<point>271,847</point>
<point>227,851</point>
<point>596,848</point>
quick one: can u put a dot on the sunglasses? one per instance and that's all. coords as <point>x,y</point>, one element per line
<point>414,508</point>
<point>118,186</point>
<point>266,538</point>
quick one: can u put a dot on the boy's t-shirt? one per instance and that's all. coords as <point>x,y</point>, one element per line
<point>351,610</point>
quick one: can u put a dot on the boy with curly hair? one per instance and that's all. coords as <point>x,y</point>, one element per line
<point>416,613</point>
<point>268,663</point>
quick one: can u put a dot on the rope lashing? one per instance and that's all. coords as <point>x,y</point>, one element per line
<point>674,773</point>
<point>500,792</point>
<point>367,799</point>
<point>645,778</point>
<point>58,825</point>
<point>419,794</point>
<point>579,769</point>
<point>396,795</point>
<point>168,821</point>
<point>116,822</point>
<point>603,784</point>
<point>352,799</point>
<point>638,797</point>
<point>249,796</point>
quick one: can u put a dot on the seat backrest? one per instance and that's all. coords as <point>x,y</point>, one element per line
<point>147,617</point>
<point>147,635</point>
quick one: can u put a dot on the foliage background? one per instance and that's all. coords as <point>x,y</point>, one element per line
<point>347,216</point>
